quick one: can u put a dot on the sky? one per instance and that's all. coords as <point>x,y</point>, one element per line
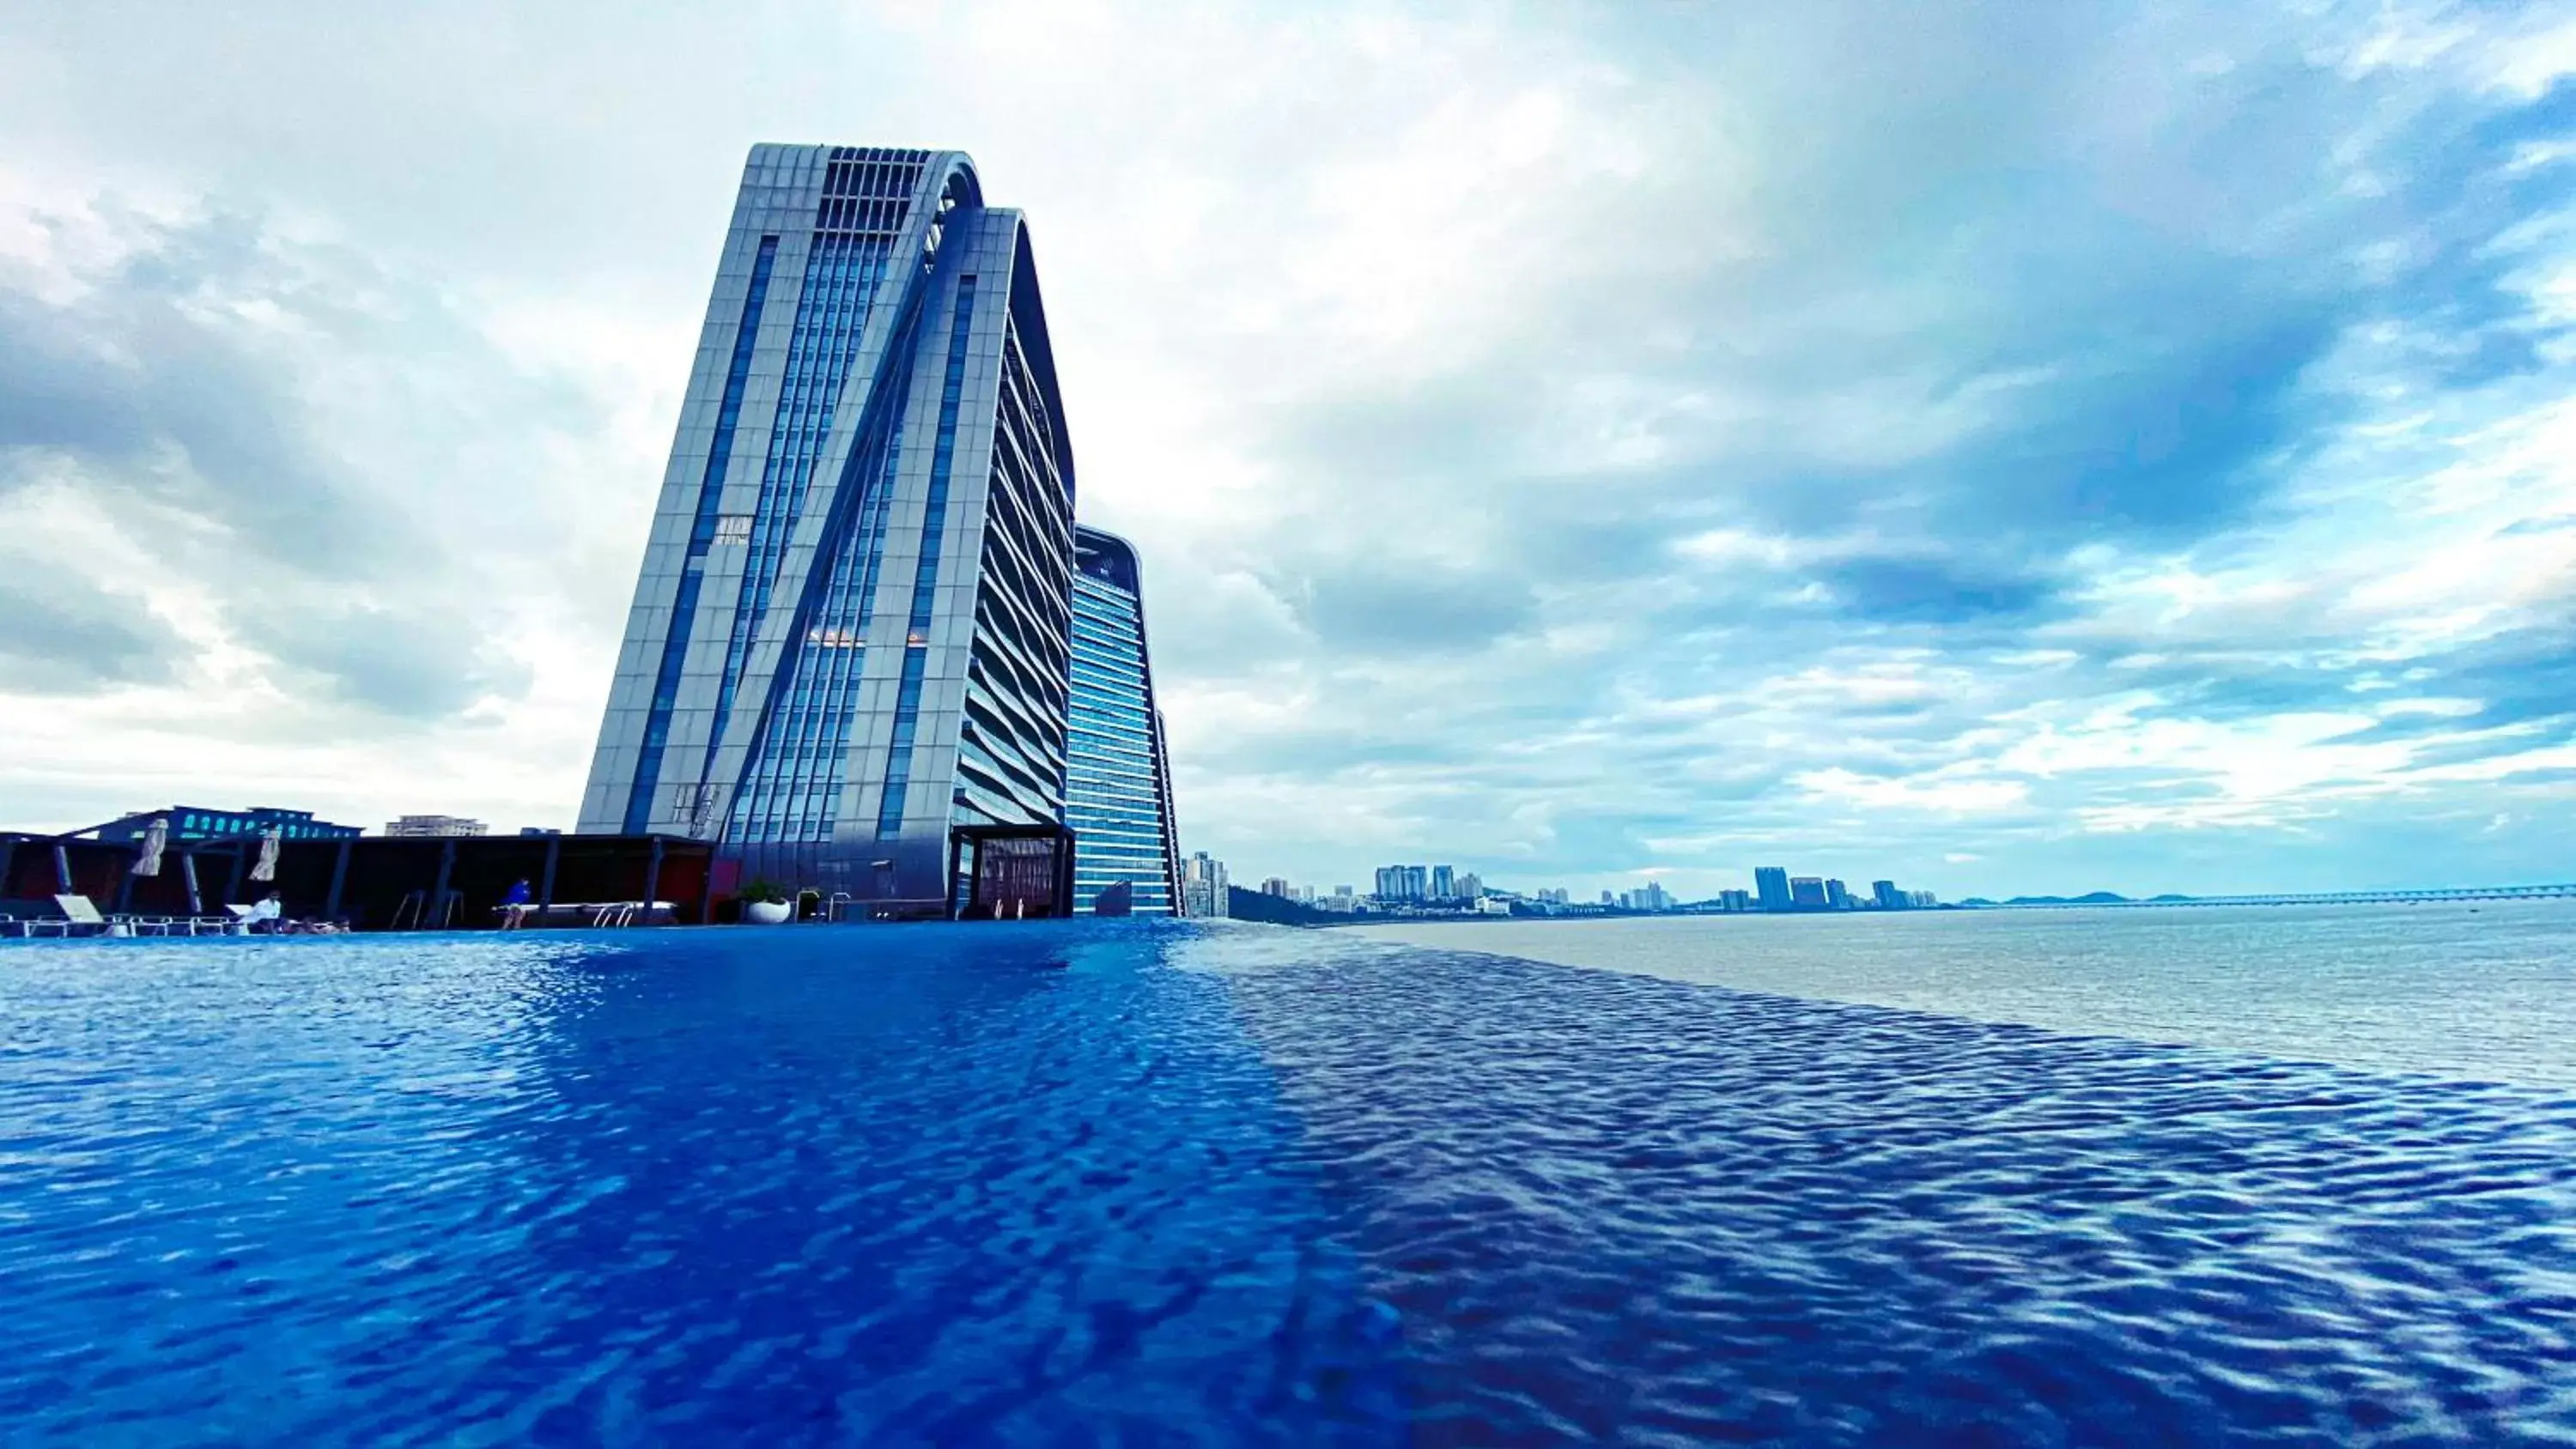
<point>2003,448</point>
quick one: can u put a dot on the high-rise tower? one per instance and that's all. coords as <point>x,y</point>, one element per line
<point>1119,796</point>
<point>850,644</point>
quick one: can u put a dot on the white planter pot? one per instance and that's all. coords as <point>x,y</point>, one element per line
<point>764,913</point>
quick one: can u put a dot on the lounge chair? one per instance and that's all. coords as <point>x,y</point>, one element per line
<point>77,913</point>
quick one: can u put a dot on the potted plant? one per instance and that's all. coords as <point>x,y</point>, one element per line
<point>764,903</point>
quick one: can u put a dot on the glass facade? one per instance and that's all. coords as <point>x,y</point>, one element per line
<point>702,537</point>
<point>1118,797</point>
<point>842,275</point>
<point>850,632</point>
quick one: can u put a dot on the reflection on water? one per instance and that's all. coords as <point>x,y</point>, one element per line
<point>897,1185</point>
<point>1148,1182</point>
<point>2485,990</point>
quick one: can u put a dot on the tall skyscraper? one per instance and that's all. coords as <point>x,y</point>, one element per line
<point>1888,896</point>
<point>1837,895</point>
<point>1444,883</point>
<point>1806,893</point>
<point>848,654</point>
<point>1118,793</point>
<point>1771,887</point>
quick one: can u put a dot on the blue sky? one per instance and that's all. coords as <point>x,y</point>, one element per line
<point>2005,448</point>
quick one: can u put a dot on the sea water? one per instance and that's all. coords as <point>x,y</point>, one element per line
<point>2481,989</point>
<point>1157,1183</point>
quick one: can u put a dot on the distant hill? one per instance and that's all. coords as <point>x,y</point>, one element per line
<point>2095,898</point>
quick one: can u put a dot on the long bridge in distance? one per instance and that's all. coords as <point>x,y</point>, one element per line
<point>2316,898</point>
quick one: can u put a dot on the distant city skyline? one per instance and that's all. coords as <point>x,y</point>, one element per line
<point>1442,887</point>
<point>1862,889</point>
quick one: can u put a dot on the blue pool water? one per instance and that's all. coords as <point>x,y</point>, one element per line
<point>1150,1183</point>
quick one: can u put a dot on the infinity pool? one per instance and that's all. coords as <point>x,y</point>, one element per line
<point>1153,1183</point>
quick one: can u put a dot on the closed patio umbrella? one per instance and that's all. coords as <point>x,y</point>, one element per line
<point>156,838</point>
<point>265,868</point>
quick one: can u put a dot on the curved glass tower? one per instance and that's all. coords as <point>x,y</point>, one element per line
<point>849,648</point>
<point>1118,795</point>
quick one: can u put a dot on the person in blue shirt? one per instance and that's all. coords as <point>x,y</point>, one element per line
<point>519,895</point>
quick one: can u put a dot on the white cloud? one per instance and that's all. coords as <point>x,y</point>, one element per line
<point>1940,793</point>
<point>1573,442</point>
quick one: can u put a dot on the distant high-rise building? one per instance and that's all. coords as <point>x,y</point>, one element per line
<point>1443,885</point>
<point>1471,886</point>
<point>1402,882</point>
<point>1277,885</point>
<point>1118,778</point>
<point>436,825</point>
<point>1837,895</point>
<point>1921,900</point>
<point>1889,898</point>
<point>1771,886</point>
<point>1204,886</point>
<point>1608,899</point>
<point>1806,893</point>
<point>848,652</point>
<point>1735,900</point>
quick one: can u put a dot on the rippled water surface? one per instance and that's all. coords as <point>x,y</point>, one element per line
<point>1138,1183</point>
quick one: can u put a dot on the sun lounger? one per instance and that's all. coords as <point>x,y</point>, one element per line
<point>78,915</point>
